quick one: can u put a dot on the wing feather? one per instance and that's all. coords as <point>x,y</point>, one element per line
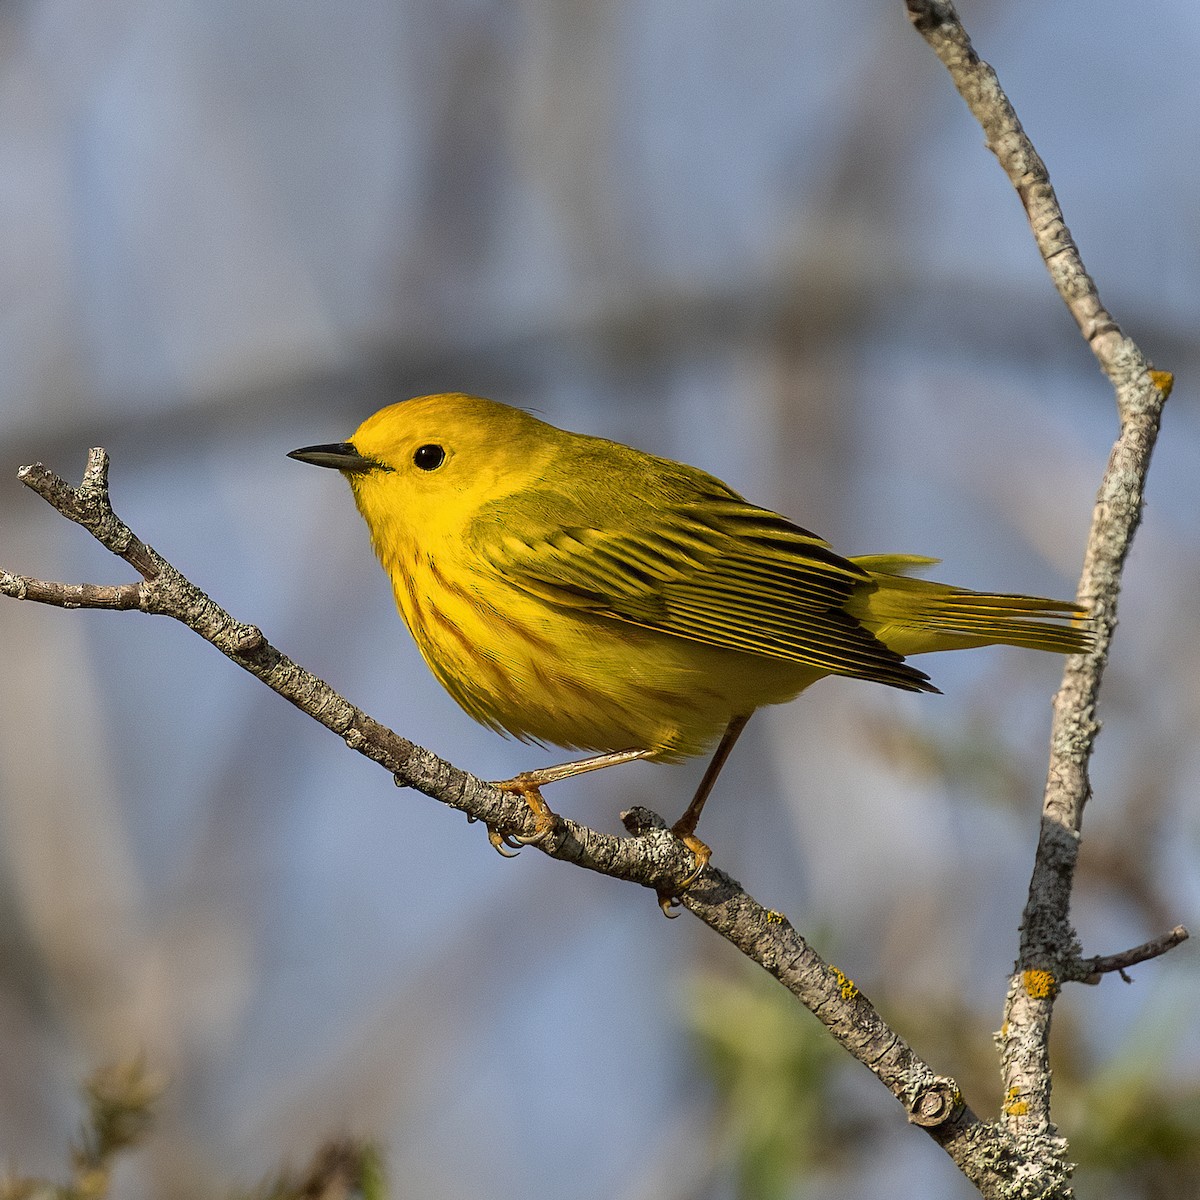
<point>713,569</point>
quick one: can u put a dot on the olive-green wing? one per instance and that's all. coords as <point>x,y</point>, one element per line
<point>713,569</point>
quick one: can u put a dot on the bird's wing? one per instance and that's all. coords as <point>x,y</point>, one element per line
<point>714,569</point>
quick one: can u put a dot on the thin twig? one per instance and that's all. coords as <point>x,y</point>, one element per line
<point>1094,969</point>
<point>73,595</point>
<point>979,86</point>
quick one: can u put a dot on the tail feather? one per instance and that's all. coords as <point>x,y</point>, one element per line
<point>918,616</point>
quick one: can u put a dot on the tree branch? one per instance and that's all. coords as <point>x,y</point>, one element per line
<point>1049,949</point>
<point>653,857</point>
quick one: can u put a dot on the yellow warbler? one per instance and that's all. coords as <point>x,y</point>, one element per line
<point>572,590</point>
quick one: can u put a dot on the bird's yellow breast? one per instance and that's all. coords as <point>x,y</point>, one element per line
<point>579,680</point>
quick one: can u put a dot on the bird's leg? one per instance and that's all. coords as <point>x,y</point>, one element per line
<point>685,827</point>
<point>530,783</point>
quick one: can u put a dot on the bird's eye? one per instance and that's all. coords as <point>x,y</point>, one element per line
<point>429,457</point>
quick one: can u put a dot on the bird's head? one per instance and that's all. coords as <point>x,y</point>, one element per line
<point>424,467</point>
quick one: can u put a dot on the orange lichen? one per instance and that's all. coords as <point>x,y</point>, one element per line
<point>1039,984</point>
<point>848,986</point>
<point>1163,380</point>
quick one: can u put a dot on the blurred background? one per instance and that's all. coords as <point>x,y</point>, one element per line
<point>766,239</point>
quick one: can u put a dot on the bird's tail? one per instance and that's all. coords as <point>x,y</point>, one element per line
<point>917,616</point>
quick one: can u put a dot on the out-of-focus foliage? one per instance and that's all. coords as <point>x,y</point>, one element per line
<point>782,1109</point>
<point>775,1071</point>
<point>1134,1123</point>
<point>344,1169</point>
<point>120,1101</point>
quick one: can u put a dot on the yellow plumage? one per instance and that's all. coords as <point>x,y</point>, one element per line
<point>572,590</point>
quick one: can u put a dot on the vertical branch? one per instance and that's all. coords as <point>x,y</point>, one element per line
<point>1049,951</point>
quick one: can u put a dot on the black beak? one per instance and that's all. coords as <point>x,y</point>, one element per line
<point>341,456</point>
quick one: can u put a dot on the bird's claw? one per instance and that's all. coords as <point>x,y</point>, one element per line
<point>542,828</point>
<point>500,841</point>
<point>702,852</point>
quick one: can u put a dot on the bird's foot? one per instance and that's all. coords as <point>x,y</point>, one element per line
<point>545,819</point>
<point>670,900</point>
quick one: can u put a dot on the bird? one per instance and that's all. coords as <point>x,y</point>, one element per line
<point>574,591</point>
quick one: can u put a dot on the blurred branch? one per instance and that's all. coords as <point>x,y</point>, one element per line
<point>653,857</point>
<point>1049,949</point>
